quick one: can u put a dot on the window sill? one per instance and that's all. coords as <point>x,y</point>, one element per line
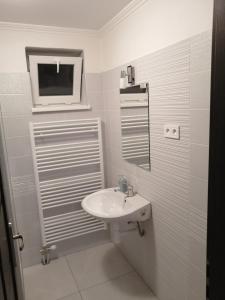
<point>49,108</point>
<point>128,105</point>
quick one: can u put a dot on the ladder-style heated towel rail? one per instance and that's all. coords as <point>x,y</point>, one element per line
<point>68,165</point>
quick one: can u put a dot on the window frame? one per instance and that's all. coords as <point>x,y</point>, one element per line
<point>34,60</point>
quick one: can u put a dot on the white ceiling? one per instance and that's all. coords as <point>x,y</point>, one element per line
<point>86,14</point>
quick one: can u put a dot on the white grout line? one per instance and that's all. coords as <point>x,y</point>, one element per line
<point>81,295</point>
<point>105,281</point>
<point>108,280</point>
<point>74,251</point>
<point>63,298</point>
<point>134,270</point>
<point>75,281</point>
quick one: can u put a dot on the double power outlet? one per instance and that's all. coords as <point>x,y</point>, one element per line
<point>172,131</point>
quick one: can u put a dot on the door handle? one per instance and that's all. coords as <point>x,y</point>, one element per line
<point>20,238</point>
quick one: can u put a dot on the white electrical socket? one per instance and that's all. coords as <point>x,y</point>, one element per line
<point>172,131</point>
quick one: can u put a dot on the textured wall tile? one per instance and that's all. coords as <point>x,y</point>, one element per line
<point>23,184</point>
<point>197,253</point>
<point>197,283</point>
<point>18,146</point>
<point>29,226</point>
<point>199,194</point>
<point>200,126</point>
<point>26,203</point>
<point>32,237</point>
<point>11,83</point>
<point>179,202</point>
<point>15,105</point>
<point>172,270</point>
<point>197,223</point>
<point>21,166</point>
<point>149,260</point>
<point>201,52</point>
<point>30,256</point>
<point>199,161</point>
<point>17,126</point>
<point>200,85</point>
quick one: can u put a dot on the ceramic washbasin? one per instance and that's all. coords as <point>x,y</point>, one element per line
<point>109,206</point>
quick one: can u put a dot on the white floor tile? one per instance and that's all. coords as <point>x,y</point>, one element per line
<point>97,265</point>
<point>126,287</point>
<point>72,297</point>
<point>50,282</point>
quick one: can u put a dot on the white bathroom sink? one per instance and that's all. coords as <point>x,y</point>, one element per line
<point>109,206</point>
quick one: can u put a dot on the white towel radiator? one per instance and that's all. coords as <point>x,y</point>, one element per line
<point>68,165</point>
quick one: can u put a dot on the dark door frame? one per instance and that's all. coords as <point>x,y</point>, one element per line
<point>216,195</point>
<point>7,262</point>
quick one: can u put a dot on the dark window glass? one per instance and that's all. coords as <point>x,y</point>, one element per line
<point>52,83</point>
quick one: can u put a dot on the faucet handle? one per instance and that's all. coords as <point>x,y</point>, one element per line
<point>130,191</point>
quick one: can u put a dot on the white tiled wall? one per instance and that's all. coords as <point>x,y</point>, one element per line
<point>16,104</point>
<point>172,256</point>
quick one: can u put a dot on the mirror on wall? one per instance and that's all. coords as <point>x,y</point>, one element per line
<point>135,133</point>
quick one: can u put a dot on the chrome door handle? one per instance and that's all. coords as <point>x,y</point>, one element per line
<point>20,238</point>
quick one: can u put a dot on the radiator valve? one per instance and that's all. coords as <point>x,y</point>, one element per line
<point>46,254</point>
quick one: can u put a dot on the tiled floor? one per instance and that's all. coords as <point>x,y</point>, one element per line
<point>97,273</point>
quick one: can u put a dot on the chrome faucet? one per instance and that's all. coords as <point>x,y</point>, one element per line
<point>129,193</point>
